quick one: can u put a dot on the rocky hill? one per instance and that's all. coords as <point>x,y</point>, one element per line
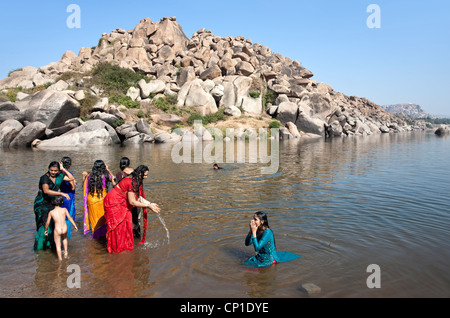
<point>411,110</point>
<point>135,86</point>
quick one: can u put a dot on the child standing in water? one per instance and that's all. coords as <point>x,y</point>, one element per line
<point>58,215</point>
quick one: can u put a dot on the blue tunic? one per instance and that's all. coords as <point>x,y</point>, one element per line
<point>69,204</point>
<point>267,254</point>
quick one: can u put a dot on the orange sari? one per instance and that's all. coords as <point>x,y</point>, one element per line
<point>94,213</point>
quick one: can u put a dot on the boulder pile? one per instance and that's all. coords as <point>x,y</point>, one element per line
<point>205,73</point>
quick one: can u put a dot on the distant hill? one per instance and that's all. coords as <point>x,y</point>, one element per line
<point>412,110</point>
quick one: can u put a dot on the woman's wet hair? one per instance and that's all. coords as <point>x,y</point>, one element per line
<point>67,162</point>
<point>263,217</point>
<point>58,200</point>
<point>137,176</point>
<point>124,163</point>
<point>265,223</point>
<point>96,178</point>
<point>53,164</point>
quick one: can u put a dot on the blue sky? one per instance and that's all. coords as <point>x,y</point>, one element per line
<point>406,60</point>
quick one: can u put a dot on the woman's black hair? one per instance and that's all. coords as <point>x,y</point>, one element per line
<point>95,185</point>
<point>124,163</point>
<point>53,164</point>
<point>67,162</point>
<point>136,178</point>
<point>265,223</point>
<point>263,217</point>
<point>58,200</point>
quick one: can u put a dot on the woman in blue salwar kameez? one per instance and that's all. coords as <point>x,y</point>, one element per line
<point>261,236</point>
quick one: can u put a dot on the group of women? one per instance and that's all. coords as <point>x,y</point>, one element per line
<point>109,202</point>
<point>111,209</point>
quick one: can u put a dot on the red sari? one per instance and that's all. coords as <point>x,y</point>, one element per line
<point>118,217</point>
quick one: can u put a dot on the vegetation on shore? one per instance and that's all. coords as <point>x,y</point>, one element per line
<point>114,82</point>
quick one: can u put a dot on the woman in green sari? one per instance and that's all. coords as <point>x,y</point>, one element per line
<point>49,186</point>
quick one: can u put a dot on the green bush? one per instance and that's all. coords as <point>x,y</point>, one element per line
<point>125,101</point>
<point>254,94</point>
<point>140,114</point>
<point>210,118</point>
<point>218,116</point>
<point>87,104</point>
<point>114,78</point>
<point>196,116</point>
<point>269,97</point>
<point>118,122</point>
<point>168,105</point>
<point>15,70</point>
<point>165,103</point>
<point>11,94</point>
<point>275,124</point>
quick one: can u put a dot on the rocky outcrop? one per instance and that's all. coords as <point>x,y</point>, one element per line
<point>99,137</point>
<point>410,109</point>
<point>8,131</point>
<point>50,107</point>
<point>205,73</point>
<point>9,110</point>
<point>442,130</point>
<point>28,134</point>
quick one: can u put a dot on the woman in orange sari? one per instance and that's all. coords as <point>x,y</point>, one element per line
<point>119,203</point>
<point>95,188</point>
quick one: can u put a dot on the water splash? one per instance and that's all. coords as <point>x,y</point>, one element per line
<point>165,227</point>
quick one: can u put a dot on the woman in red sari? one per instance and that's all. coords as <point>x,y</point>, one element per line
<point>119,203</point>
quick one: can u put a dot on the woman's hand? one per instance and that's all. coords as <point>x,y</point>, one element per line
<point>253,226</point>
<point>65,195</point>
<point>61,167</point>
<point>154,207</point>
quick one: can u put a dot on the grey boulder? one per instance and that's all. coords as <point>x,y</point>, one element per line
<point>28,134</point>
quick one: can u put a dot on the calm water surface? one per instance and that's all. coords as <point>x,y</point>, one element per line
<point>342,204</point>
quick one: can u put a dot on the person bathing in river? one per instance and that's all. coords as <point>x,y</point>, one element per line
<point>136,213</point>
<point>263,241</point>
<point>69,188</point>
<point>95,188</point>
<point>59,215</point>
<point>118,205</point>
<point>49,186</point>
<point>125,170</point>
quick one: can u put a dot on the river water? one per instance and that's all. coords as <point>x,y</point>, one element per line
<point>343,204</point>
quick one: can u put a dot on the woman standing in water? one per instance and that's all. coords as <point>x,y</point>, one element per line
<point>69,188</point>
<point>261,236</point>
<point>49,187</point>
<point>125,170</point>
<point>95,188</point>
<point>119,203</point>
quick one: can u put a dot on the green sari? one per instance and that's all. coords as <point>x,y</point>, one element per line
<point>42,206</point>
